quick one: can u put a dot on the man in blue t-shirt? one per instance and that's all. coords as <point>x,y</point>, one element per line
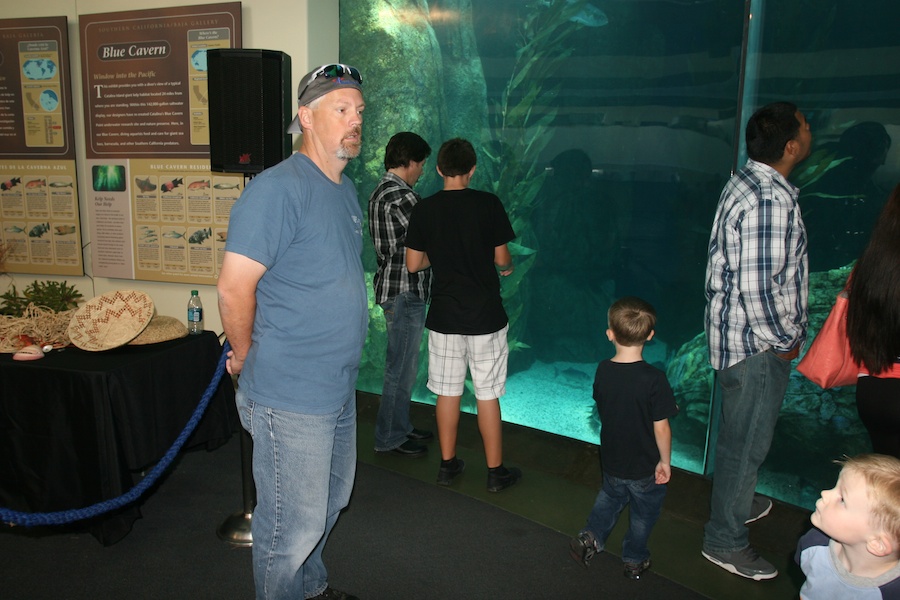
<point>292,298</point>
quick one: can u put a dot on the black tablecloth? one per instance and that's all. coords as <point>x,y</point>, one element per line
<point>76,426</point>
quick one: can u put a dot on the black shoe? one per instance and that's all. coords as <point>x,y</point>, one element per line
<point>447,474</point>
<point>583,547</point>
<point>500,481</point>
<point>635,570</point>
<point>408,448</point>
<point>420,435</point>
<point>332,594</point>
<point>760,507</point>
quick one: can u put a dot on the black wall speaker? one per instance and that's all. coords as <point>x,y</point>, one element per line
<point>250,108</point>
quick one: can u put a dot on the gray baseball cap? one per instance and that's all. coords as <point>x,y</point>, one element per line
<point>322,80</point>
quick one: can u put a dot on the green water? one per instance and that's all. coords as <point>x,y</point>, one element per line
<point>608,129</point>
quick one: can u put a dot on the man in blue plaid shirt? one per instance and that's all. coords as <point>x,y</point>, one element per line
<point>756,317</point>
<point>402,295</point>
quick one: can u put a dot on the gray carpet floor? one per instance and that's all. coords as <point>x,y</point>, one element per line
<point>399,539</point>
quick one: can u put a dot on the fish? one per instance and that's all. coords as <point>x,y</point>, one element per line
<point>199,185</point>
<point>10,183</point>
<point>227,186</point>
<point>145,185</point>
<point>39,230</point>
<point>13,229</point>
<point>173,234</point>
<point>589,16</point>
<point>171,185</point>
<point>64,229</point>
<point>60,184</point>
<point>222,236</point>
<point>36,183</point>
<point>199,236</point>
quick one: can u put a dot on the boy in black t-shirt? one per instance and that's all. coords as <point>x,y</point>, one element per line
<point>635,402</point>
<point>462,234</point>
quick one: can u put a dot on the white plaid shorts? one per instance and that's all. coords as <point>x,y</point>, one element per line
<point>485,356</point>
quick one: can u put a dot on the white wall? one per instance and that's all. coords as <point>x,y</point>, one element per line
<point>307,30</point>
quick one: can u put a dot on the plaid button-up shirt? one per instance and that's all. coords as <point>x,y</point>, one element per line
<point>389,208</point>
<point>756,275</point>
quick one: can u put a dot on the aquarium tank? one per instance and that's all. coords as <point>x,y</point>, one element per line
<point>608,129</point>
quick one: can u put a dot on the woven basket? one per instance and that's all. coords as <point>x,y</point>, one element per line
<point>110,320</point>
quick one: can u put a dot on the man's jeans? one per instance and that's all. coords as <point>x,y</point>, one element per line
<point>303,466</point>
<point>405,318</point>
<point>645,499</point>
<point>752,393</point>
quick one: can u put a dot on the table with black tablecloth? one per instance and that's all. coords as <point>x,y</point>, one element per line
<point>78,427</point>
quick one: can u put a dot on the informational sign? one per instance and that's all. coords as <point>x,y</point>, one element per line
<point>157,211</point>
<point>39,222</point>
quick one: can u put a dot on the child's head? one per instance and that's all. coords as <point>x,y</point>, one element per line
<point>456,157</point>
<point>631,321</point>
<point>864,506</point>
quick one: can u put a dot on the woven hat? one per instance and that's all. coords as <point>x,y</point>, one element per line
<point>110,320</point>
<point>160,329</point>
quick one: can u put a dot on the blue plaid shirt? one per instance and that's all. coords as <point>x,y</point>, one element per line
<point>389,208</point>
<point>756,275</point>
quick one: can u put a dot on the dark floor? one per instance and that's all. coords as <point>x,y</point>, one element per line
<point>560,481</point>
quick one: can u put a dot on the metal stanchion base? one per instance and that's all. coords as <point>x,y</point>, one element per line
<point>236,529</point>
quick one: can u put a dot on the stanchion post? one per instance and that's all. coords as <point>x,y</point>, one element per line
<point>236,528</point>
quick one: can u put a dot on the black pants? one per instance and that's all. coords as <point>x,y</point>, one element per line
<point>878,404</point>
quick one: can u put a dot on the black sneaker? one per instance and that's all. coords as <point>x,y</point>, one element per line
<point>500,481</point>
<point>332,594</point>
<point>583,547</point>
<point>420,435</point>
<point>760,507</point>
<point>746,563</point>
<point>447,474</point>
<point>634,570</point>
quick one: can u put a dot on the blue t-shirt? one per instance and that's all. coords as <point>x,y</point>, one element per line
<point>312,310</point>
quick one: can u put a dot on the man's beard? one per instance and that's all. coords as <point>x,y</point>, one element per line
<point>350,150</point>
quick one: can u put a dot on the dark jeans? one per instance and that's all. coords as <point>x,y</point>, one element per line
<point>752,393</point>
<point>405,318</point>
<point>644,498</point>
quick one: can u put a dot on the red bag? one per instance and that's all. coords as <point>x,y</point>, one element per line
<point>828,363</point>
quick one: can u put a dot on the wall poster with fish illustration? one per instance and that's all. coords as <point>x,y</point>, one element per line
<point>161,219</point>
<point>157,212</point>
<point>38,187</point>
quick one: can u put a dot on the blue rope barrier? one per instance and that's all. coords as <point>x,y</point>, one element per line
<point>62,517</point>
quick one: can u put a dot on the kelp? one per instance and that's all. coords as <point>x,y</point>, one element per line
<point>520,122</point>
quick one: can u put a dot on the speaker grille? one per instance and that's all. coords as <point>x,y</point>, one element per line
<point>250,108</point>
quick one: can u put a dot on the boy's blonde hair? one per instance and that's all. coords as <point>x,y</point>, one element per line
<point>631,320</point>
<point>882,475</point>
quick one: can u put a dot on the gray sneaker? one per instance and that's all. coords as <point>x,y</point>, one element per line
<point>583,547</point>
<point>761,507</point>
<point>746,563</point>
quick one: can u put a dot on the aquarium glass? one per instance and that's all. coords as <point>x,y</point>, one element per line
<point>608,128</point>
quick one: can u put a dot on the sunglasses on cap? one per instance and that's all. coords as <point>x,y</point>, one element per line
<point>337,70</point>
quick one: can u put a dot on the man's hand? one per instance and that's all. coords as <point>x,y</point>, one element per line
<point>233,364</point>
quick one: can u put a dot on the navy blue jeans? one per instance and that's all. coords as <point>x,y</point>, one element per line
<point>405,318</point>
<point>645,499</point>
<point>752,393</point>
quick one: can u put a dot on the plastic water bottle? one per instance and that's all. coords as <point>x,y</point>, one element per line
<point>195,313</point>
